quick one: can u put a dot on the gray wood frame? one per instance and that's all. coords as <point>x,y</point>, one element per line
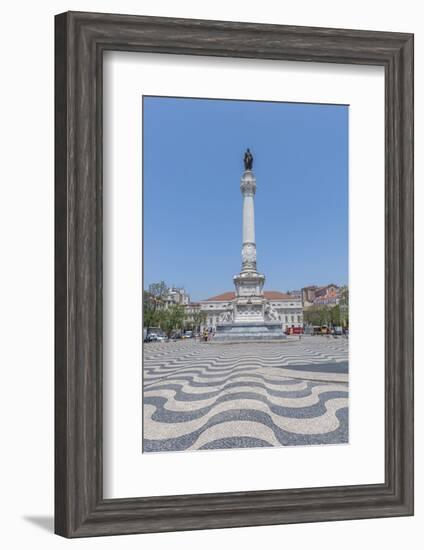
<point>80,40</point>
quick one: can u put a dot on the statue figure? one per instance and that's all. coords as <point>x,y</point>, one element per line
<point>271,313</point>
<point>248,160</point>
<point>226,316</point>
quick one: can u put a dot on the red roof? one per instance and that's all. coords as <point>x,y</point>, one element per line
<point>275,295</point>
<point>225,297</point>
<point>269,295</point>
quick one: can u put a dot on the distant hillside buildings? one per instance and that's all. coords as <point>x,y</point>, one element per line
<point>328,295</point>
<point>177,296</point>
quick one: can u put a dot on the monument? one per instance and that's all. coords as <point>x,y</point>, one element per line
<point>250,317</point>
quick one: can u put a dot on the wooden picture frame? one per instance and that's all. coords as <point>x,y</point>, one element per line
<point>81,39</point>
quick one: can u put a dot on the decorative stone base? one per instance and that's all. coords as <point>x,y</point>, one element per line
<point>249,332</point>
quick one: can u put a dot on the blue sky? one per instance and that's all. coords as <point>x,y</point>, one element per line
<point>193,162</point>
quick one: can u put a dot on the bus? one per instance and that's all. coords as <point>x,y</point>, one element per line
<point>293,330</point>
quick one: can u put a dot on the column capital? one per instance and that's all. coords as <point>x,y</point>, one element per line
<point>248,183</point>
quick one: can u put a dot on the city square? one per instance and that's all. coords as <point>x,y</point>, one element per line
<point>230,360</point>
<point>222,396</point>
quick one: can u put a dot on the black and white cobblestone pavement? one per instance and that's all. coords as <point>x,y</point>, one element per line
<point>217,396</point>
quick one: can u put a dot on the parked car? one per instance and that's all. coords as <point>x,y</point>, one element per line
<point>188,334</point>
<point>154,337</point>
<point>152,334</point>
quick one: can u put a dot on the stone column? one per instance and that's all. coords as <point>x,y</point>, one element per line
<point>248,189</point>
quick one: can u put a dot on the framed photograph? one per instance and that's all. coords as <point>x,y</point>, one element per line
<point>234,274</point>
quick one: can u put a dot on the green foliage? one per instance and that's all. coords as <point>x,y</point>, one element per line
<point>344,296</point>
<point>153,303</point>
<point>335,316</point>
<point>151,310</point>
<point>317,315</point>
<point>157,314</point>
<point>330,316</point>
<point>198,318</point>
<point>159,290</point>
<point>172,319</point>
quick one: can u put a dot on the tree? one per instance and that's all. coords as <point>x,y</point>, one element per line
<point>159,290</point>
<point>153,302</point>
<point>335,316</point>
<point>318,315</point>
<point>172,319</point>
<point>313,315</point>
<point>344,306</point>
<point>198,319</point>
<point>149,310</point>
<point>325,315</point>
<point>344,295</point>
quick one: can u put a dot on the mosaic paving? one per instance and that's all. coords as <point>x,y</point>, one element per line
<point>218,396</point>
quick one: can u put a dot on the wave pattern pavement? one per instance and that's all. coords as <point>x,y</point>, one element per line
<point>221,396</point>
